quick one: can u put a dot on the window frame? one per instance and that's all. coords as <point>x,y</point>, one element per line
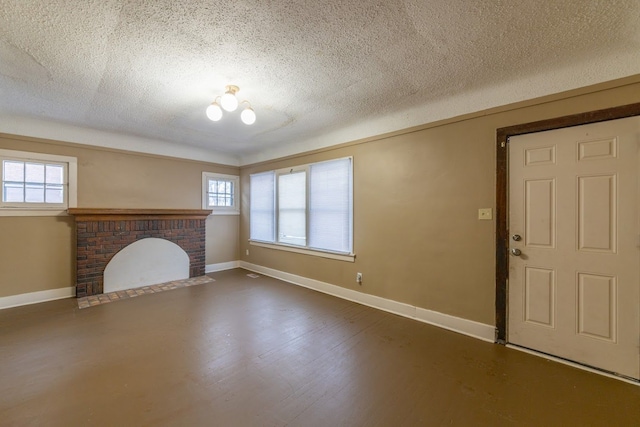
<point>221,210</point>
<point>276,244</point>
<point>70,185</point>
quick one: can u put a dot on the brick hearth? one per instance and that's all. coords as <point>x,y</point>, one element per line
<point>102,233</point>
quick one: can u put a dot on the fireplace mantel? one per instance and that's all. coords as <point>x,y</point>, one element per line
<point>102,233</point>
<point>102,214</point>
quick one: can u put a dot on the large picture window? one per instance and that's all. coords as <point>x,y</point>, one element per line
<point>308,206</point>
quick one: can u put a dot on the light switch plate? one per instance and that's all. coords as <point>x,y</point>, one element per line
<point>485,213</point>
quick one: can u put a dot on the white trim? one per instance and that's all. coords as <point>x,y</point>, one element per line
<point>456,324</point>
<point>573,364</point>
<point>214,211</point>
<point>72,196</point>
<point>35,156</point>
<point>221,266</point>
<point>306,251</point>
<point>36,297</point>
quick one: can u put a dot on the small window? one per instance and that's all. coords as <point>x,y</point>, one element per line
<point>34,184</point>
<point>220,193</point>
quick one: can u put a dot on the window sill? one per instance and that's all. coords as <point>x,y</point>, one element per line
<point>306,251</point>
<point>32,212</point>
<point>214,212</point>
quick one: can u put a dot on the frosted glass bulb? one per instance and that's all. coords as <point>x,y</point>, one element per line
<point>214,112</point>
<point>248,116</point>
<point>229,101</point>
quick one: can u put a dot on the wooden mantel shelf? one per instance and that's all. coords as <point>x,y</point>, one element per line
<point>101,214</point>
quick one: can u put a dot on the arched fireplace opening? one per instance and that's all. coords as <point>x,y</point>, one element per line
<point>146,262</point>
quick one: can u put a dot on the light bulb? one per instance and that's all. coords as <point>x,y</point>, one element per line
<point>248,116</point>
<point>229,101</point>
<point>214,112</point>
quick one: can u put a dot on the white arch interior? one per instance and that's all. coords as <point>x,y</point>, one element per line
<point>146,262</point>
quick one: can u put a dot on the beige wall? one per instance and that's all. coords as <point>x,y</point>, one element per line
<point>416,195</point>
<point>222,238</point>
<point>417,238</point>
<point>38,253</point>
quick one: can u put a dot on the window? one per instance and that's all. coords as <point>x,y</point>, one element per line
<point>37,184</point>
<point>263,202</point>
<point>292,208</point>
<point>220,193</point>
<point>307,207</point>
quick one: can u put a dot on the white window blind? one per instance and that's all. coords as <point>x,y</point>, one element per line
<point>330,205</point>
<point>292,208</point>
<point>262,207</point>
<point>309,206</point>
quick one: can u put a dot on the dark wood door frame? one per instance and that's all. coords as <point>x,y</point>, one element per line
<point>502,231</point>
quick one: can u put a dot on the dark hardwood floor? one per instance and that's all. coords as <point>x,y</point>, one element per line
<point>260,352</point>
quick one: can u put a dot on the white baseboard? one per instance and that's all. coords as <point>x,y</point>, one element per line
<point>211,268</point>
<point>36,297</point>
<point>456,324</point>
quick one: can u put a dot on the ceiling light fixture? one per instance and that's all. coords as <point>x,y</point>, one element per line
<point>229,102</point>
<point>248,116</point>
<point>214,112</point>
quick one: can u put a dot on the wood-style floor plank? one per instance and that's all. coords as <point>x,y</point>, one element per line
<point>261,352</point>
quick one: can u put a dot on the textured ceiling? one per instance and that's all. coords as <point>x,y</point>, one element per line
<point>316,72</point>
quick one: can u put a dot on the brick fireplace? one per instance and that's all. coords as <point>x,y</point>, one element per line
<point>102,233</point>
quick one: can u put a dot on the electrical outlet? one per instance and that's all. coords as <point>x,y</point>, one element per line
<point>359,278</point>
<point>247,252</point>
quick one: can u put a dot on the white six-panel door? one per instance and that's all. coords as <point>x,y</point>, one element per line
<point>574,288</point>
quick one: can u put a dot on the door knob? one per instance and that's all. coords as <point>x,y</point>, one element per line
<point>516,252</point>
<point>516,237</point>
